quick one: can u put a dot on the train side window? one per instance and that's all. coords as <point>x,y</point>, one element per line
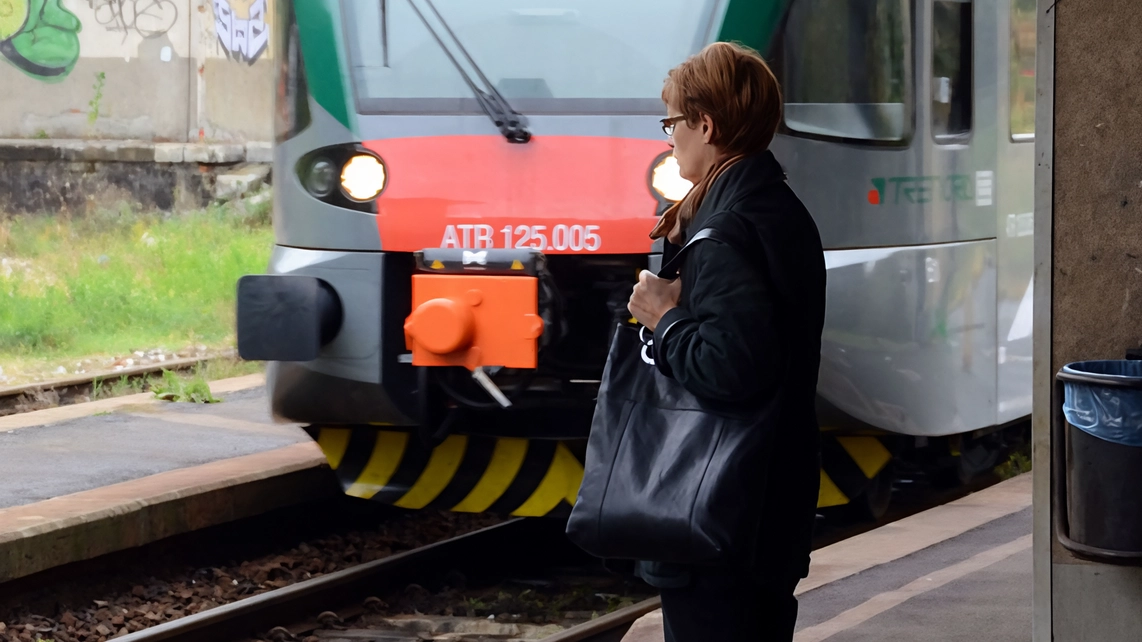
<point>1022,70</point>
<point>845,67</point>
<point>951,69</point>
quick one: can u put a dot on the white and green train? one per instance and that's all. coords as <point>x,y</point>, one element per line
<point>451,146</point>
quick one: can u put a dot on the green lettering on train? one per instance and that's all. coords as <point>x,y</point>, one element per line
<point>919,190</point>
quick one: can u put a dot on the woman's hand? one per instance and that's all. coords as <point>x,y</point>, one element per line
<point>652,298</point>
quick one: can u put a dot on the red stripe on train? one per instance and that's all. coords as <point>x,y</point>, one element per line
<point>562,194</point>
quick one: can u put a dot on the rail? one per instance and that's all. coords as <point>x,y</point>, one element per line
<point>607,628</point>
<point>65,386</point>
<point>258,614</point>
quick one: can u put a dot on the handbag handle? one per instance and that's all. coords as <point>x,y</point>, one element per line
<point>672,267</point>
<point>670,272</point>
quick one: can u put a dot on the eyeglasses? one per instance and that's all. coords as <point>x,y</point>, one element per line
<point>668,124</point>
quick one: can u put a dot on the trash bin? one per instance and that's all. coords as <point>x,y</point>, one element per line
<point>1099,514</point>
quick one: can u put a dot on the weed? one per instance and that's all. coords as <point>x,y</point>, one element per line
<point>102,388</point>
<point>616,603</point>
<point>41,135</point>
<point>95,103</point>
<point>123,386</point>
<point>194,390</point>
<point>475,606</point>
<point>256,211</point>
<point>97,389</point>
<point>1017,464</point>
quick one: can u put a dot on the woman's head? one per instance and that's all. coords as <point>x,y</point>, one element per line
<point>729,103</point>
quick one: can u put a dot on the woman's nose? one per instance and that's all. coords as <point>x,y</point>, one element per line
<point>670,141</point>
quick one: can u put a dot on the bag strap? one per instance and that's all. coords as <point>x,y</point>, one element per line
<point>672,267</point>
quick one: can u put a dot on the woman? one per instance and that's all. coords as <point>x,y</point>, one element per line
<point>742,327</point>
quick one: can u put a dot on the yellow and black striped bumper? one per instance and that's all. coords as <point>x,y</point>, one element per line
<point>505,475</point>
<point>848,465</point>
<point>521,477</point>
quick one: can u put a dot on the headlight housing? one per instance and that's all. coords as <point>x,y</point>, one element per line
<point>321,178</point>
<point>348,176</point>
<point>666,183</point>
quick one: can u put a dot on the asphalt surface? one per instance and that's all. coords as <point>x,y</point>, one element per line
<point>42,462</point>
<point>992,603</point>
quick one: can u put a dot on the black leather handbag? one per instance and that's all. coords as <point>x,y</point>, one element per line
<point>667,477</point>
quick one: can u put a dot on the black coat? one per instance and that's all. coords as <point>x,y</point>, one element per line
<point>747,333</point>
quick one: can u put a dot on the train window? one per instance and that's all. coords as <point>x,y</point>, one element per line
<point>1022,70</point>
<point>609,56</point>
<point>845,67</point>
<point>951,69</point>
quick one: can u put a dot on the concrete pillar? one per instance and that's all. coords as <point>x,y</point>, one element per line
<point>1088,278</point>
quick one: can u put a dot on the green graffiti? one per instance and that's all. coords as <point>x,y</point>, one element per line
<point>39,37</point>
<point>13,15</point>
<point>918,190</point>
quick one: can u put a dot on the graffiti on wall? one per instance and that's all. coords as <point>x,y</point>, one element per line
<point>147,18</point>
<point>242,38</point>
<point>39,37</point>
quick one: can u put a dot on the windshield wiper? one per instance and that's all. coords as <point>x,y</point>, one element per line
<point>511,123</point>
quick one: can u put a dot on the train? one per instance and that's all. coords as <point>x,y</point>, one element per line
<point>463,194</point>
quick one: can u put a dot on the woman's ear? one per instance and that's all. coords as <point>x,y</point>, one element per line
<point>707,129</point>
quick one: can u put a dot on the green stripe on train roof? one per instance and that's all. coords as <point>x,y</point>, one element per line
<point>753,23</point>
<point>318,25</point>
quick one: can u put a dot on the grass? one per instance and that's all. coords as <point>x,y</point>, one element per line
<point>1018,463</point>
<point>194,389</point>
<point>180,382</point>
<point>117,281</point>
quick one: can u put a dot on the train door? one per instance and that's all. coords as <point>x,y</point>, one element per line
<point>1015,198</point>
<point>886,141</point>
<point>964,131</point>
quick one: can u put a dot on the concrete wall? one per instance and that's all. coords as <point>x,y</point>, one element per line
<point>1089,257</point>
<point>152,70</point>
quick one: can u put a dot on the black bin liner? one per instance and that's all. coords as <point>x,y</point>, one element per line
<point>1102,414</point>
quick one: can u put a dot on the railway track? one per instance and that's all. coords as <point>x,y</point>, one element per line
<point>608,628</point>
<point>342,606</point>
<point>226,583</point>
<point>195,572</point>
<point>323,603</point>
<point>310,610</point>
<point>79,388</point>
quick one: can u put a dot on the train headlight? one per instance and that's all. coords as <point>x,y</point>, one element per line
<point>321,178</point>
<point>666,180</point>
<point>363,177</point>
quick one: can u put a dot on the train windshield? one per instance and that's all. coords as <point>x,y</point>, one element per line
<point>543,57</point>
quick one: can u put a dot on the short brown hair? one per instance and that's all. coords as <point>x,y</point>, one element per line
<point>733,86</point>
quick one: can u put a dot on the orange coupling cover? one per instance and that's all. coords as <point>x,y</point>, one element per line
<point>473,321</point>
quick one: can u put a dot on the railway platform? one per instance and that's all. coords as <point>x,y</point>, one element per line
<point>83,480</point>
<point>960,572</point>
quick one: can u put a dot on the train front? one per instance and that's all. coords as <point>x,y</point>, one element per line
<point>462,199</point>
